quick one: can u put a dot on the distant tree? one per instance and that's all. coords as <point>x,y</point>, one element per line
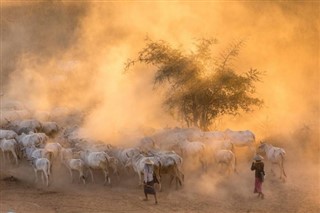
<point>202,86</point>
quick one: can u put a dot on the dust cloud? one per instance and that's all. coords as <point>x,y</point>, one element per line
<point>67,54</point>
<point>72,55</point>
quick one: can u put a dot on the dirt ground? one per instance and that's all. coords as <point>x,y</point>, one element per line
<point>211,192</point>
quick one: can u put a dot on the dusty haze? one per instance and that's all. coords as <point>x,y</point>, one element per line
<point>73,54</point>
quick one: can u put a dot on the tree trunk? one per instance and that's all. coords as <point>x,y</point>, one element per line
<point>195,112</point>
<point>204,120</point>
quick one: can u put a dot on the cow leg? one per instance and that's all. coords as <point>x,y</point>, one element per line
<point>155,199</point>
<point>46,176</point>
<point>202,164</point>
<point>177,175</point>
<point>42,177</point>
<point>177,182</point>
<point>280,177</point>
<point>272,172</point>
<point>91,175</point>
<point>180,177</point>
<point>171,179</point>
<point>159,184</point>
<point>140,179</point>
<point>15,156</point>
<point>282,166</point>
<point>71,175</point>
<point>2,155</point>
<point>81,176</point>
<point>36,175</point>
<point>158,177</point>
<point>106,177</point>
<point>281,171</point>
<point>117,174</point>
<point>6,159</point>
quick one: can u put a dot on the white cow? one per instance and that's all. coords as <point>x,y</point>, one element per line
<point>168,163</point>
<point>73,164</point>
<point>236,138</point>
<point>241,138</point>
<point>194,150</point>
<point>32,139</point>
<point>97,160</point>
<point>76,165</point>
<point>50,128</point>
<point>228,158</point>
<point>13,115</point>
<point>124,154</point>
<point>55,149</point>
<point>7,134</point>
<point>34,152</point>
<point>170,137</point>
<point>137,162</point>
<point>275,155</point>
<point>9,146</point>
<point>42,165</point>
<point>30,123</point>
<point>213,136</point>
<point>24,126</point>
<point>38,153</point>
<point>147,143</point>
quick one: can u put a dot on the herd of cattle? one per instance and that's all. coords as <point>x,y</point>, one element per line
<point>45,144</point>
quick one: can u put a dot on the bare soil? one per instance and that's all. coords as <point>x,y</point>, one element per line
<point>210,192</point>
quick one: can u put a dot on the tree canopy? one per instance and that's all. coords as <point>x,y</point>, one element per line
<point>202,85</point>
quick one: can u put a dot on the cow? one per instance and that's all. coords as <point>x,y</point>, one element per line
<point>168,163</point>
<point>192,151</point>
<point>9,146</point>
<point>137,162</point>
<point>275,155</point>
<point>73,164</point>
<point>7,134</point>
<point>228,158</point>
<point>42,165</point>
<point>50,128</point>
<point>97,160</point>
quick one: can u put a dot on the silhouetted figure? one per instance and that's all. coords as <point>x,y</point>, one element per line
<point>258,166</point>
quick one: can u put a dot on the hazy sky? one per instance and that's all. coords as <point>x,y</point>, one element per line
<point>72,54</point>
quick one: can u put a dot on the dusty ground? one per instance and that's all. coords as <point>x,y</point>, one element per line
<point>211,192</point>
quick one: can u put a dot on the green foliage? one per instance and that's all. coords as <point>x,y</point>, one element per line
<point>202,86</point>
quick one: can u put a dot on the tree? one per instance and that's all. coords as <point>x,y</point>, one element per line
<point>201,86</point>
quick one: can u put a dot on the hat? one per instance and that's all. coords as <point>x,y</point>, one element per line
<point>148,161</point>
<point>258,157</point>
